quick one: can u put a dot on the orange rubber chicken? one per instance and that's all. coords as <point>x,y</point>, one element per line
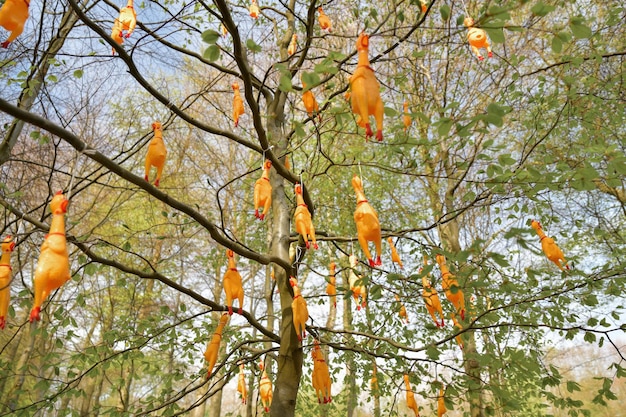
<point>324,20</point>
<point>394,253</point>
<point>157,153</point>
<point>293,45</point>
<point>53,266</point>
<point>356,286</point>
<point>402,312</point>
<point>213,347</point>
<point>458,325</point>
<point>302,219</point>
<point>477,38</point>
<point>410,396</point>
<point>263,192</point>
<point>238,109</point>
<point>128,19</point>
<point>441,404</point>
<point>265,389</point>
<point>367,225</point>
<point>13,15</point>
<point>232,284</point>
<point>254,9</point>
<point>242,387</point>
<point>365,91</point>
<point>433,303</point>
<point>5,278</point>
<point>299,310</point>
<point>310,103</point>
<point>117,34</point>
<point>549,247</point>
<point>424,6</point>
<point>451,287</point>
<point>406,117</point>
<point>321,375</point>
<point>331,287</point>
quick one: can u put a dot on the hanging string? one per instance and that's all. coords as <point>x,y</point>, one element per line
<point>361,175</point>
<point>465,8</point>
<point>69,190</point>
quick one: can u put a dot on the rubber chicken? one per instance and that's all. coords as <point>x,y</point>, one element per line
<point>406,117</point>
<point>402,312</point>
<point>5,278</point>
<point>232,284</point>
<point>213,347</point>
<point>331,287</point>
<point>394,253</point>
<point>157,153</point>
<point>53,266</point>
<point>410,396</point>
<point>549,247</point>
<point>367,225</point>
<point>117,34</point>
<point>293,45</point>
<point>433,303</point>
<point>324,20</point>
<point>223,30</point>
<point>242,387</point>
<point>423,5</point>
<point>356,286</point>
<point>477,38</point>
<point>458,325</point>
<point>265,389</point>
<point>441,404</point>
<point>451,287</point>
<point>238,109</point>
<point>13,15</point>
<point>365,91</point>
<point>263,192</point>
<point>310,103</point>
<point>299,309</point>
<point>302,219</point>
<point>254,9</point>
<point>321,375</point>
<point>128,18</point>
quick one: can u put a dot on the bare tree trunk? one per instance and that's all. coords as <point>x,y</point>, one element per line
<point>350,368</point>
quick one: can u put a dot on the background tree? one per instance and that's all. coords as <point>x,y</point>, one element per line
<point>536,131</point>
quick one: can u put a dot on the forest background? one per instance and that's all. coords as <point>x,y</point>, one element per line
<point>534,132</point>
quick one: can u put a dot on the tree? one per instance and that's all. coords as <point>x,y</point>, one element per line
<point>532,132</point>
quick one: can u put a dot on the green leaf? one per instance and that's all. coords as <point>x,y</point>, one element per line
<point>78,73</point>
<point>52,78</point>
<point>210,36</point>
<point>284,84</point>
<point>253,46</point>
<point>496,34</point>
<point>390,112</point>
<point>557,45</point>
<point>589,337</point>
<point>311,79</point>
<point>212,53</point>
<point>445,12</point>
<point>542,9</point>
<point>445,124</point>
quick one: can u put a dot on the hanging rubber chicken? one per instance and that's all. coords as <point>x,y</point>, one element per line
<point>433,303</point>
<point>402,312</point>
<point>157,153</point>
<point>117,34</point>
<point>263,192</point>
<point>254,9</point>
<point>223,30</point>
<point>238,109</point>
<point>299,309</point>
<point>458,325</point>
<point>324,20</point>
<point>441,404</point>
<point>265,389</point>
<point>13,15</point>
<point>213,347</point>
<point>356,285</point>
<point>367,225</point>
<point>406,117</point>
<point>549,247</point>
<point>477,38</point>
<point>365,91</point>
<point>128,19</point>
<point>394,253</point>
<point>232,284</point>
<point>331,287</point>
<point>451,287</point>
<point>53,266</point>
<point>410,396</point>
<point>423,5</point>
<point>5,278</point>
<point>321,375</point>
<point>242,387</point>
<point>302,219</point>
<point>293,45</point>
<point>310,103</point>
